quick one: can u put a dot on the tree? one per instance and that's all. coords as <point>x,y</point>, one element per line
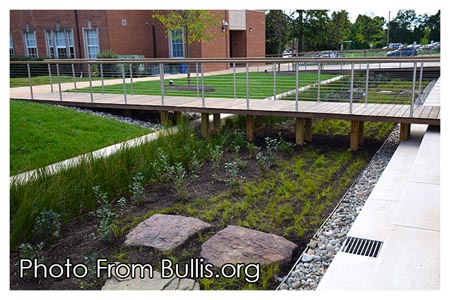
<point>368,31</point>
<point>195,25</point>
<point>312,29</point>
<point>277,31</point>
<point>339,28</point>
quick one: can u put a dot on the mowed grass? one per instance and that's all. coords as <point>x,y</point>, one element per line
<point>221,86</point>
<point>42,80</point>
<point>43,134</point>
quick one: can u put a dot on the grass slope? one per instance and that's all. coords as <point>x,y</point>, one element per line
<point>260,85</point>
<point>44,134</point>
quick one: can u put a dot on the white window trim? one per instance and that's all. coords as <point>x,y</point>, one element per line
<point>170,43</point>
<point>52,33</point>
<point>85,40</point>
<point>25,43</point>
<point>11,45</point>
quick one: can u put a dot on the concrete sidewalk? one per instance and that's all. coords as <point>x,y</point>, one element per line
<point>403,212</point>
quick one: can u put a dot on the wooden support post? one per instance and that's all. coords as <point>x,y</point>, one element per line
<point>217,123</point>
<point>299,131</point>
<point>178,116</point>
<point>361,133</point>
<point>250,128</point>
<point>205,125</point>
<point>164,117</point>
<point>405,130</point>
<point>260,126</point>
<point>354,135</point>
<point>308,129</point>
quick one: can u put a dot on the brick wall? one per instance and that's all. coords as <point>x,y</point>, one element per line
<point>136,36</point>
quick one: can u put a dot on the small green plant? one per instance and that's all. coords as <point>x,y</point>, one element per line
<point>233,179</point>
<point>29,251</point>
<point>47,225</point>
<point>216,157</point>
<point>90,281</point>
<point>179,175</point>
<point>195,163</point>
<point>252,150</point>
<point>106,218</point>
<point>122,202</point>
<point>263,162</point>
<point>137,188</point>
<point>272,146</point>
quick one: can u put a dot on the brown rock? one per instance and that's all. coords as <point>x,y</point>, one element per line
<point>164,232</point>
<point>236,244</point>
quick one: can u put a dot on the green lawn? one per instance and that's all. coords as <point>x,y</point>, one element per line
<point>260,85</point>
<point>41,80</point>
<point>44,134</point>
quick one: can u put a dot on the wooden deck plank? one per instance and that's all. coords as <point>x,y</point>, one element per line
<point>308,109</point>
<point>425,113</point>
<point>434,112</point>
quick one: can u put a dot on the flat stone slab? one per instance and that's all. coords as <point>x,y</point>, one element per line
<point>164,232</point>
<point>236,244</point>
<point>147,283</point>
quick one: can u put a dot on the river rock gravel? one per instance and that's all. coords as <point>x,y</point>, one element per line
<point>320,251</point>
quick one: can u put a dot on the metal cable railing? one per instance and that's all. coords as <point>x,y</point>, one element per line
<point>347,80</point>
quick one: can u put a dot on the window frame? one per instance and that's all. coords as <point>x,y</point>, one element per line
<point>52,46</point>
<point>26,45</point>
<point>85,42</point>
<point>12,51</point>
<point>171,43</point>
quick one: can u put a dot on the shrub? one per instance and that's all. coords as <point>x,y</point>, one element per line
<point>106,218</point>
<point>47,225</point>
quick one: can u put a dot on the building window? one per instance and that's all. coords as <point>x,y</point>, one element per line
<point>176,39</point>
<point>63,39</point>
<point>91,43</point>
<point>11,45</point>
<point>30,44</point>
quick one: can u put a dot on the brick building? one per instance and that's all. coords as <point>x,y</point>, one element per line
<point>87,33</point>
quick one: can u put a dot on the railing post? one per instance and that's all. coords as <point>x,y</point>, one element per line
<point>59,82</point>
<point>30,81</point>
<point>274,81</point>
<point>196,78</point>
<point>50,77</point>
<point>74,78</point>
<point>131,79</point>
<point>411,108</point>
<point>124,85</point>
<point>351,88</point>
<point>101,76</point>
<point>246,85</point>
<point>203,85</point>
<point>420,77</point>
<point>296,87</point>
<point>90,83</point>
<point>161,80</point>
<point>318,82</point>
<point>367,84</point>
<point>234,80</point>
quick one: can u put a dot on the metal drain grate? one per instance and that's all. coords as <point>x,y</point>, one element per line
<point>360,246</point>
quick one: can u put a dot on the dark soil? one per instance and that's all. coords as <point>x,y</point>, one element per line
<point>76,243</point>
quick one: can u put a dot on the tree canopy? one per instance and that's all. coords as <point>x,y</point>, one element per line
<point>318,30</point>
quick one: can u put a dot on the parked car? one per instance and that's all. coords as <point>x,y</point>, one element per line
<point>328,54</point>
<point>403,52</point>
<point>393,46</point>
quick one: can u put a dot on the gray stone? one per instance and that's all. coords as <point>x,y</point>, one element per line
<point>164,232</point>
<point>236,244</point>
<point>312,244</point>
<point>307,258</point>
<point>296,284</point>
<point>147,283</point>
<point>284,286</point>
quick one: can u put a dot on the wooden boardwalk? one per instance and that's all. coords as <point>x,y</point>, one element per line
<point>306,109</point>
<point>303,111</point>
